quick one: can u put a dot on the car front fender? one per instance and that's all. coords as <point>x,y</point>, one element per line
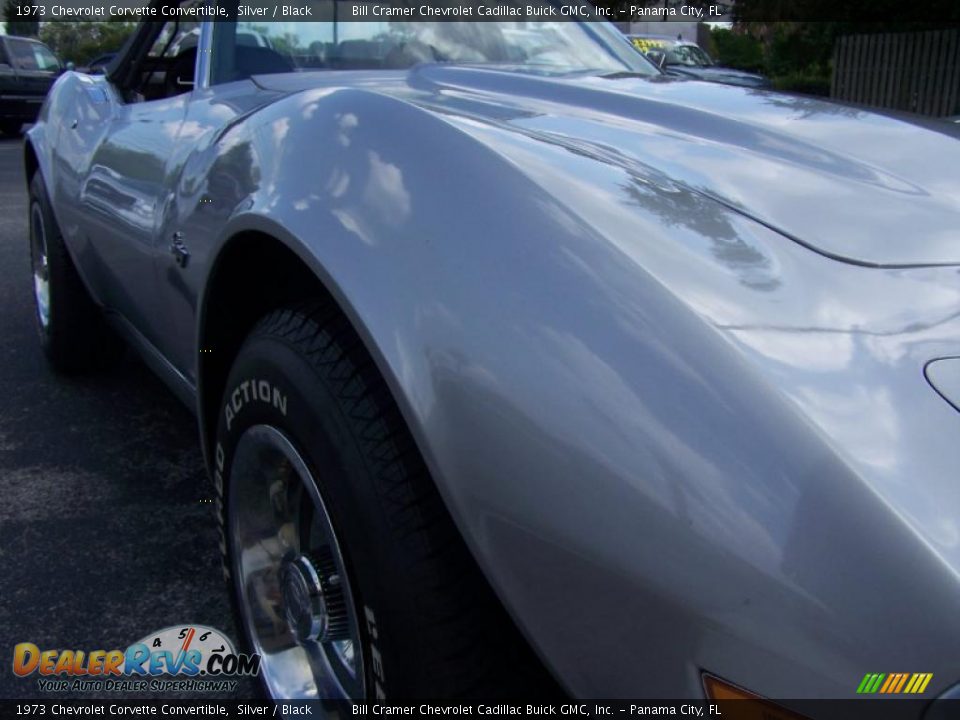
<point>580,371</point>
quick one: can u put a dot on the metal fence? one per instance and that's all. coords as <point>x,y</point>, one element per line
<point>916,71</point>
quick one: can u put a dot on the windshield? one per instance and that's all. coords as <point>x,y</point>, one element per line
<point>689,55</point>
<point>541,47</point>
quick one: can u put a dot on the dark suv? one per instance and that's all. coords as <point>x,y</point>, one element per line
<point>27,70</point>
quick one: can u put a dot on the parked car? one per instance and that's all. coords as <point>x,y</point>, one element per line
<point>520,365</point>
<point>683,58</point>
<point>27,70</point>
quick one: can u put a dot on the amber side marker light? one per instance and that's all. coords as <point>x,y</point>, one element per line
<point>747,705</point>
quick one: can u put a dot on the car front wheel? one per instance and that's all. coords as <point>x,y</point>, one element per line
<point>347,574</point>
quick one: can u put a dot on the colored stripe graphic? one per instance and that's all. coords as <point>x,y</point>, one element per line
<point>894,683</point>
<point>918,683</point>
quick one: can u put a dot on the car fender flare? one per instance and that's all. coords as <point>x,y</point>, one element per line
<point>249,222</point>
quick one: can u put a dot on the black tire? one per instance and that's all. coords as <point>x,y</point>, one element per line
<point>438,631</point>
<point>11,128</point>
<point>75,336</point>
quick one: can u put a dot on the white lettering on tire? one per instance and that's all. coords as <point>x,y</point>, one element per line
<point>219,459</point>
<point>376,661</point>
<point>253,391</point>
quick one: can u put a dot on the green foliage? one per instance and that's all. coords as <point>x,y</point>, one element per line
<point>797,56</point>
<point>799,35</point>
<point>808,83</point>
<point>801,48</point>
<point>81,42</point>
<point>737,50</point>
<point>781,39</point>
<point>17,25</point>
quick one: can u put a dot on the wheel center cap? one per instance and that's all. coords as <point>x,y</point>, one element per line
<point>303,599</point>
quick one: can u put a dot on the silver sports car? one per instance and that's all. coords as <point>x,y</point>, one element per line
<point>520,367</point>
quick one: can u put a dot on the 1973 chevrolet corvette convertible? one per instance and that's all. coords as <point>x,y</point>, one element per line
<point>519,365</point>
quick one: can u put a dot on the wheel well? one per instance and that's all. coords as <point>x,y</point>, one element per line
<point>254,274</point>
<point>30,162</point>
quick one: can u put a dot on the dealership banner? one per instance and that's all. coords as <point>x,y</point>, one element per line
<point>376,11</point>
<point>717,709</point>
<point>942,12</point>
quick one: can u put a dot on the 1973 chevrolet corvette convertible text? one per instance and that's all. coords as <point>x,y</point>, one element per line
<point>519,366</point>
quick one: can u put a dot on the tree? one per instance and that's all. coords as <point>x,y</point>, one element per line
<point>17,21</point>
<point>82,41</point>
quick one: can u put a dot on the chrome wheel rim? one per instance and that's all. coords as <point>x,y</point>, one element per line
<point>289,572</point>
<point>41,267</point>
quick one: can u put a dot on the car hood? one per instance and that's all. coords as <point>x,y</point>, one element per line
<point>853,185</point>
<point>720,74</point>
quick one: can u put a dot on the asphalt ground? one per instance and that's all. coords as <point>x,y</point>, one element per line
<point>107,529</point>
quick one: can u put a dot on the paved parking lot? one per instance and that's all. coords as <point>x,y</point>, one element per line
<point>106,530</point>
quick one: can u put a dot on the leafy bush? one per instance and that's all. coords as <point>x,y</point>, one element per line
<point>736,50</point>
<point>800,82</point>
<point>797,57</point>
<point>801,47</point>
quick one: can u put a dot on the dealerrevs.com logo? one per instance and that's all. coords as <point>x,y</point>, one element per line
<point>177,658</point>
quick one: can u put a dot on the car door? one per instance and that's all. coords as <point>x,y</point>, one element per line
<point>125,188</point>
<point>206,196</point>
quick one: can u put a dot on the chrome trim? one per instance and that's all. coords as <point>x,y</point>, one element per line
<point>204,45</point>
